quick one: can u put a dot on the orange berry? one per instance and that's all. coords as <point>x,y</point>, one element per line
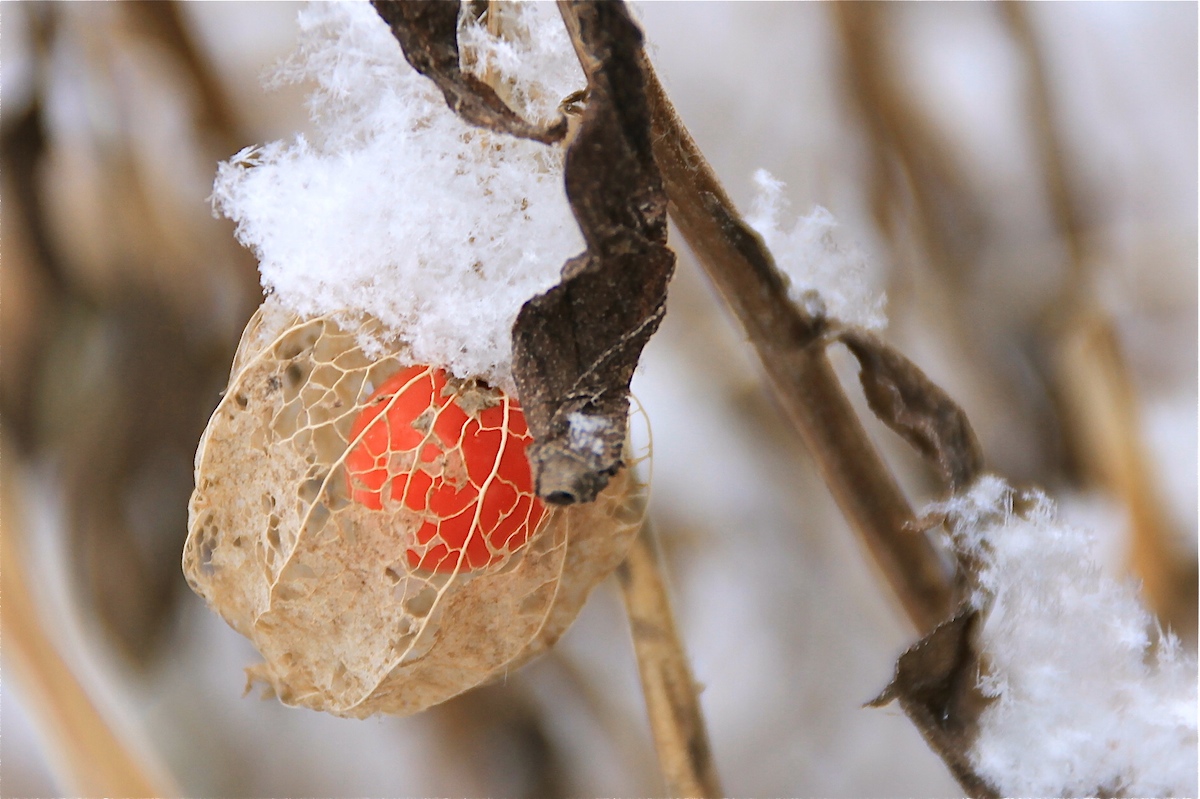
<point>453,455</point>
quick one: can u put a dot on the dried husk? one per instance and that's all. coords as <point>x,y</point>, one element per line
<point>320,584</point>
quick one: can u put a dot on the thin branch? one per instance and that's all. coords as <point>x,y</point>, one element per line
<point>788,343</point>
<point>672,700</point>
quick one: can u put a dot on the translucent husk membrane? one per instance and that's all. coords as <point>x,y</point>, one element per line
<point>325,586</point>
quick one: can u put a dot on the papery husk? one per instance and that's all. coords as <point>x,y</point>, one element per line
<point>320,584</point>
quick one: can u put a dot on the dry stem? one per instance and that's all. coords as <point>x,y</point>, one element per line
<point>1050,147</point>
<point>947,217</point>
<point>86,751</point>
<point>933,216</point>
<point>798,370</point>
<point>1094,382</point>
<point>1097,391</point>
<point>672,700</point>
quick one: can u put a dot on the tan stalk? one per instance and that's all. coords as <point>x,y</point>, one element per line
<point>672,699</point>
<point>936,224</point>
<point>491,76</point>
<point>945,214</point>
<point>1050,149</point>
<point>1094,382</point>
<point>88,755</point>
<point>1096,390</point>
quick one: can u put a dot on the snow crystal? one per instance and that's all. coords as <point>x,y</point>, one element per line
<point>399,209</point>
<point>584,430</point>
<point>812,258</point>
<point>1089,696</point>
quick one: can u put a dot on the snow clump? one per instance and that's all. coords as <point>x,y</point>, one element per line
<point>400,210</point>
<point>812,258</point>
<point>1089,696</point>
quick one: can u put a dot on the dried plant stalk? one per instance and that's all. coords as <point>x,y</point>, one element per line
<point>1050,146</point>
<point>86,750</point>
<point>798,369</point>
<point>935,221</point>
<point>672,701</point>
<point>1095,388</point>
<point>947,217</point>
<point>790,341</point>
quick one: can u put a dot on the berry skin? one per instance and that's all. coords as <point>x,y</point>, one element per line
<point>453,453</point>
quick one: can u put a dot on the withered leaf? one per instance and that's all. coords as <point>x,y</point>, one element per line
<point>428,34</point>
<point>935,686</point>
<point>907,401</point>
<point>575,347</point>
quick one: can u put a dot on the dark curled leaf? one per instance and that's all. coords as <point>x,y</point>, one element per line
<point>428,34</point>
<point>912,405</point>
<point>575,347</point>
<point>936,687</point>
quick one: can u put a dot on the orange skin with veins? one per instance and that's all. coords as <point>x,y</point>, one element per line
<point>463,472</point>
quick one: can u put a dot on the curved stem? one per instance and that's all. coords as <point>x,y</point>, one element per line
<point>672,700</point>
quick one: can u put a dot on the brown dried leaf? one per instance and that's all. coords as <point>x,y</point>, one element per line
<point>321,583</point>
<point>935,686</point>
<point>575,347</point>
<point>428,34</point>
<point>916,408</point>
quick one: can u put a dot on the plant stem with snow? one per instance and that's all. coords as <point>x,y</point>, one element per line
<point>792,353</point>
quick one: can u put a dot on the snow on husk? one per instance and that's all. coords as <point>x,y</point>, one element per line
<point>397,208</point>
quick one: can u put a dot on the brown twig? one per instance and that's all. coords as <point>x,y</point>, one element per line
<point>788,343</point>
<point>611,60</point>
<point>672,701</point>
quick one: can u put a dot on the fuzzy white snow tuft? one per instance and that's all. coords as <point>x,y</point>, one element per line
<point>1089,695</point>
<point>809,254</point>
<point>399,209</point>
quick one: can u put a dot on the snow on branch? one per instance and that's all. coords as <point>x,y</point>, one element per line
<point>398,208</point>
<point>1086,695</point>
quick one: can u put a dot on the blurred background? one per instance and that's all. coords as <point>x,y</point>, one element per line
<point>1021,180</point>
